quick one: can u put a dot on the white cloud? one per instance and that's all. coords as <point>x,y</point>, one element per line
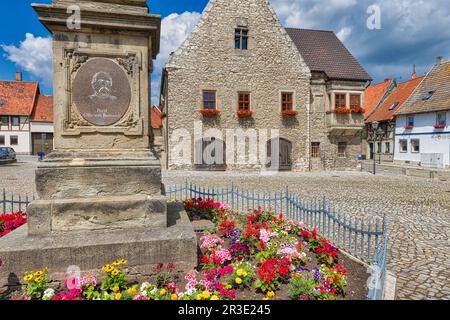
<point>344,33</point>
<point>34,55</point>
<point>174,30</point>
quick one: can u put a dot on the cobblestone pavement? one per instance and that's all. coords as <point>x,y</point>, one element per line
<point>418,211</point>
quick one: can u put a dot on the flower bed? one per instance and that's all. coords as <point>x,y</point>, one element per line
<point>10,222</point>
<point>289,113</point>
<point>253,255</point>
<point>209,112</point>
<point>356,109</point>
<point>244,114</point>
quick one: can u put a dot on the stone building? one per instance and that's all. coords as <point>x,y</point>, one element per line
<point>241,82</point>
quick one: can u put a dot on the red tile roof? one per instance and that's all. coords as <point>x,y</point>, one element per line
<point>397,98</point>
<point>17,97</point>
<point>44,109</point>
<point>373,95</point>
<point>155,117</point>
<point>436,81</point>
<point>324,52</point>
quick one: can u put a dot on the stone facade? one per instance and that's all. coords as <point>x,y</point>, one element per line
<point>208,60</point>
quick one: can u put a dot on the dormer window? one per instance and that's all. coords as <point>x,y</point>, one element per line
<point>428,95</point>
<point>241,38</point>
<point>393,106</point>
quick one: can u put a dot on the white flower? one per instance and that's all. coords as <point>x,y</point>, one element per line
<point>154,291</point>
<point>48,294</point>
<point>144,286</point>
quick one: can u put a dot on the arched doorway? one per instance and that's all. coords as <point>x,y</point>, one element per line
<point>210,154</point>
<point>284,154</point>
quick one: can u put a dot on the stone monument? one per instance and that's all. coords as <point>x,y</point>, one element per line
<point>100,192</point>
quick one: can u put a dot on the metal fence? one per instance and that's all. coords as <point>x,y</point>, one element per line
<point>11,203</point>
<point>364,239</point>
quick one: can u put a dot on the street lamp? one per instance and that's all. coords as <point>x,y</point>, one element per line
<point>375,130</point>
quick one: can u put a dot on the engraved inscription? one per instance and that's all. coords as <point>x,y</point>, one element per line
<point>101,92</point>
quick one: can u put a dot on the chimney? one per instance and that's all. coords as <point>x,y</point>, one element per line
<point>414,74</point>
<point>18,76</point>
<point>439,61</point>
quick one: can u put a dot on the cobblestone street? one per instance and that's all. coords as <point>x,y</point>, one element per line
<point>418,211</point>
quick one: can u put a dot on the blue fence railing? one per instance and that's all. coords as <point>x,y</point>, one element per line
<point>364,239</point>
<point>11,203</point>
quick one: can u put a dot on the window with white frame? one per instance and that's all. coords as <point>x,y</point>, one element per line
<point>403,146</point>
<point>441,119</point>
<point>415,146</point>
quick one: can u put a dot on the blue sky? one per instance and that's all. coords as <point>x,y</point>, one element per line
<point>412,32</point>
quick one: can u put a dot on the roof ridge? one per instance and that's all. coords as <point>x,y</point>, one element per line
<point>318,30</point>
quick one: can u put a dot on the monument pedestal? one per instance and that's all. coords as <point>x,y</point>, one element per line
<point>90,250</point>
<point>100,192</point>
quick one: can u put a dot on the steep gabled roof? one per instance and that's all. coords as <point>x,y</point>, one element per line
<point>17,97</point>
<point>437,85</point>
<point>374,94</point>
<point>395,101</point>
<point>43,112</point>
<point>324,52</point>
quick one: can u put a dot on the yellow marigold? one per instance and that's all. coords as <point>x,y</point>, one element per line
<point>132,291</point>
<point>206,294</point>
<point>163,292</point>
<point>109,268</point>
<point>173,296</point>
<point>115,289</point>
<point>270,294</point>
<point>38,273</point>
<point>214,297</point>
<point>198,297</point>
<point>118,296</point>
<point>38,279</point>
<point>115,272</point>
<point>238,280</point>
<point>266,298</point>
<point>123,261</point>
<point>244,274</point>
<point>28,277</point>
<point>240,272</point>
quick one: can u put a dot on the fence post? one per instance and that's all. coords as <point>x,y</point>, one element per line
<point>287,201</point>
<point>4,200</point>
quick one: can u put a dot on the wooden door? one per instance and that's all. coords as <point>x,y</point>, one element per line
<point>284,154</point>
<point>211,153</point>
<point>42,142</point>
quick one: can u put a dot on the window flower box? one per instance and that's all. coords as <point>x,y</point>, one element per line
<point>342,110</point>
<point>357,109</point>
<point>440,126</point>
<point>408,127</point>
<point>209,112</point>
<point>288,113</point>
<point>244,114</point>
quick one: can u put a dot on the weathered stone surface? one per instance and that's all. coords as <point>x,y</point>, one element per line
<point>89,250</point>
<point>208,60</point>
<point>121,212</point>
<point>81,178</point>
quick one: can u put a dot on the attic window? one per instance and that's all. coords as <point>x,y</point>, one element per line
<point>241,38</point>
<point>394,105</point>
<point>428,95</point>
